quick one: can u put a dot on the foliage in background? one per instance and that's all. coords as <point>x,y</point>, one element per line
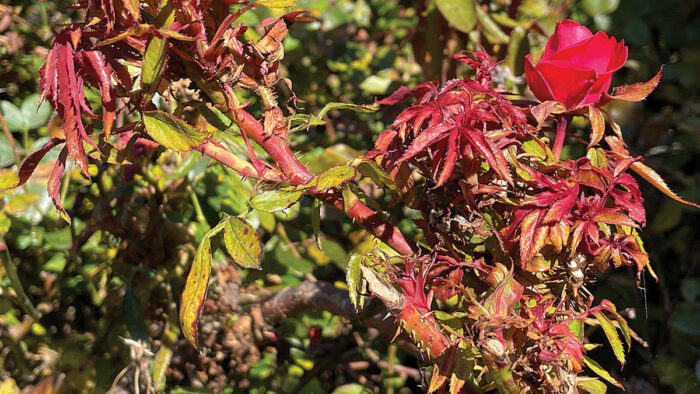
<point>111,275</point>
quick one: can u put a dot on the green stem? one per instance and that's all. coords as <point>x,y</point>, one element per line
<point>24,302</point>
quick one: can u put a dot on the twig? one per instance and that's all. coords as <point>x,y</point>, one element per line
<point>11,140</point>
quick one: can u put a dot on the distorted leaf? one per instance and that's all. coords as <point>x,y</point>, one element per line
<point>242,243</point>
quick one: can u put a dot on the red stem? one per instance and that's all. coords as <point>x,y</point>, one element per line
<point>298,174</point>
<point>562,123</point>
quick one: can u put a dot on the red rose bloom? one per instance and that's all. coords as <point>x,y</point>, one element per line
<point>576,66</point>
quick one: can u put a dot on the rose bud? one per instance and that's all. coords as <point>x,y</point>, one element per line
<point>576,67</point>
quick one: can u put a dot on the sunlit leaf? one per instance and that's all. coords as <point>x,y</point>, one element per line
<point>600,371</point>
<point>353,277</point>
<point>591,385</point>
<point>274,200</point>
<point>153,64</point>
<point>195,292</point>
<point>242,243</point>
<point>172,132</point>
<point>611,334</point>
<point>460,13</point>
<point>334,177</point>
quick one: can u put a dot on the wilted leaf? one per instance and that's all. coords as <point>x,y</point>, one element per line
<point>242,243</point>
<point>597,125</point>
<point>460,13</point>
<point>274,200</point>
<point>195,291</point>
<point>172,132</point>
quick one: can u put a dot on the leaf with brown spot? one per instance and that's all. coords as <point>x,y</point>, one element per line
<point>195,291</point>
<point>242,243</point>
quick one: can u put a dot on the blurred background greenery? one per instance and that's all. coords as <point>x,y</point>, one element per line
<point>106,287</point>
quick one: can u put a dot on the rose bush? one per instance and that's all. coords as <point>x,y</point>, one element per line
<point>576,67</point>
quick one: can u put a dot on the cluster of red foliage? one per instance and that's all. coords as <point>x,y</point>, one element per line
<point>513,232</point>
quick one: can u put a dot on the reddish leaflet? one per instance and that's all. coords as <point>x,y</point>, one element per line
<point>512,233</point>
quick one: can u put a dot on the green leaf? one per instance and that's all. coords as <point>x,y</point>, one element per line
<point>352,388</point>
<point>153,64</point>
<point>597,157</point>
<point>379,177</point>
<point>274,200</point>
<point>242,243</point>
<point>375,84</point>
<point>334,177</point>
<point>316,221</point>
<point>357,108</point>
<point>215,117</point>
<point>591,385</point>
<point>13,116</point>
<point>277,3</point>
<point>172,132</point>
<point>195,291</point>
<point>460,13</point>
<point>600,371</point>
<point>353,277</point>
<point>35,115</point>
<point>611,333</point>
<point>490,28</point>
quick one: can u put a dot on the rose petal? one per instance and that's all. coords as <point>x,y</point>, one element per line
<point>567,33</point>
<point>619,55</point>
<point>538,85</point>
<point>568,85</point>
<point>595,53</point>
<point>601,85</point>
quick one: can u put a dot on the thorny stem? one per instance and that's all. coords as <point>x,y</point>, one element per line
<point>278,149</point>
